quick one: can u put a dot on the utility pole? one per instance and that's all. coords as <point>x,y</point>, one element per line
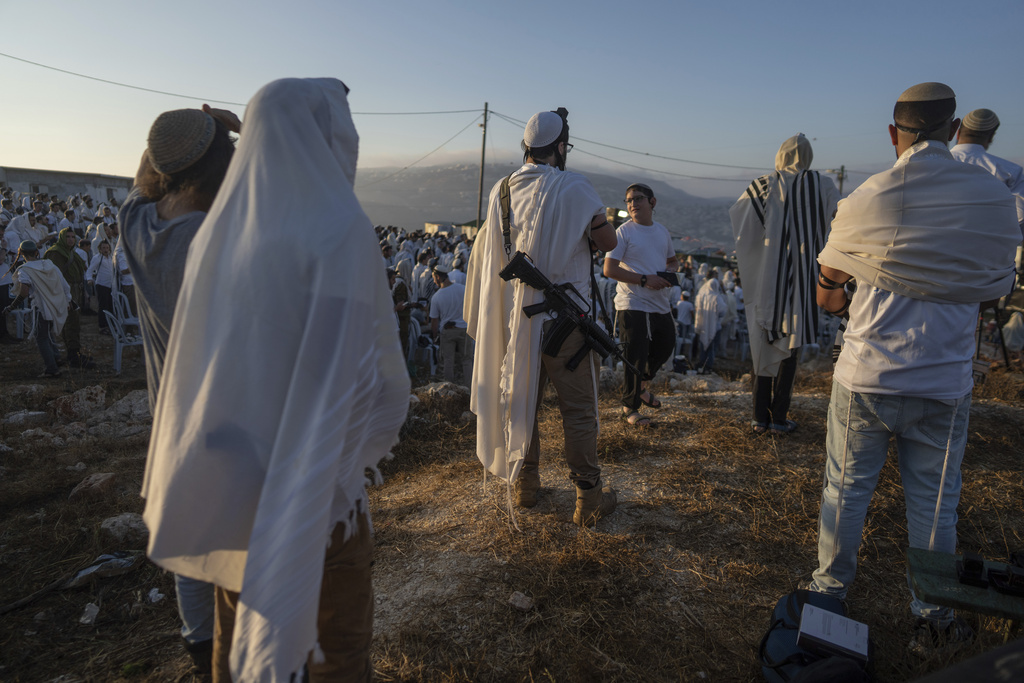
<point>840,176</point>
<point>480,193</point>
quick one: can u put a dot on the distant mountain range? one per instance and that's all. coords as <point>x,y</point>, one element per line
<point>443,194</point>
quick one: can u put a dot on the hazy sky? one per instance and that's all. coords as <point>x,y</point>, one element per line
<point>722,84</point>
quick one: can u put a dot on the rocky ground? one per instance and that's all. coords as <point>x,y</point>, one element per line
<point>713,526</point>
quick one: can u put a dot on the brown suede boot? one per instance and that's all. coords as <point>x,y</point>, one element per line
<point>594,503</point>
<point>526,487</point>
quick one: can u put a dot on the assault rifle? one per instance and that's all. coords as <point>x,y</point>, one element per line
<point>569,314</point>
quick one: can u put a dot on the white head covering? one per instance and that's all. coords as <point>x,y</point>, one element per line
<point>275,399</point>
<point>709,310</point>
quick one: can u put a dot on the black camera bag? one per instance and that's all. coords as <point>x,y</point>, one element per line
<point>781,659</point>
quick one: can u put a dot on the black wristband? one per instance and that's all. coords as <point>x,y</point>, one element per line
<point>643,280</point>
<point>827,283</point>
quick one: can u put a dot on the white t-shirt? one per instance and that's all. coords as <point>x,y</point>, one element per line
<point>642,249</point>
<point>901,346</point>
<point>446,305</point>
<point>684,312</point>
<point>122,264</point>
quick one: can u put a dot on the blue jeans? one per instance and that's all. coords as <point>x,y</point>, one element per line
<point>922,428</point>
<point>44,342</point>
<point>707,354</point>
<point>195,606</point>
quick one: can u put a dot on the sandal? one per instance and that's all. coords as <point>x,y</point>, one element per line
<point>758,428</point>
<point>653,403</point>
<point>634,418</point>
<point>786,428</point>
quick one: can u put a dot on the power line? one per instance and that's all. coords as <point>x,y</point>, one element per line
<point>509,120</point>
<point>652,170</point>
<point>123,85</point>
<point>208,99</point>
<point>405,168</point>
<point>648,154</point>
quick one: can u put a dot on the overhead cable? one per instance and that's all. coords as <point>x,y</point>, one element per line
<point>208,99</point>
<point>405,168</point>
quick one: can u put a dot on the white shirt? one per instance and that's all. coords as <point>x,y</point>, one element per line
<point>446,305</point>
<point>101,271</point>
<point>458,277</point>
<point>684,312</point>
<point>901,346</point>
<point>1008,172</point>
<point>122,264</point>
<point>642,249</point>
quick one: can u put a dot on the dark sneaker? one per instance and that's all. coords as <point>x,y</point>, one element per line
<point>79,360</point>
<point>201,654</point>
<point>930,640</point>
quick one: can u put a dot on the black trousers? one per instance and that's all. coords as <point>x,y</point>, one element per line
<point>772,395</point>
<point>649,340</point>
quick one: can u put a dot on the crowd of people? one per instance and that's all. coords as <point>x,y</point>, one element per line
<point>81,239</point>
<point>256,499</point>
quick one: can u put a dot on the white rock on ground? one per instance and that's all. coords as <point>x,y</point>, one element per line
<point>127,527</point>
<point>79,405</point>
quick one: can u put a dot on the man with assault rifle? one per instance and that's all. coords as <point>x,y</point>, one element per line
<point>552,215</point>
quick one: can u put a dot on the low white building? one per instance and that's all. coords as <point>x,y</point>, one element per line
<point>102,188</point>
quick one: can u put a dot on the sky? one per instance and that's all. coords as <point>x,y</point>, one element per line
<point>717,83</point>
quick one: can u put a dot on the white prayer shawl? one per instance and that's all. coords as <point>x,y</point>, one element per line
<point>709,311</point>
<point>275,399</point>
<point>21,229</point>
<point>780,224</point>
<point>50,291</point>
<point>552,211</point>
<point>886,232</point>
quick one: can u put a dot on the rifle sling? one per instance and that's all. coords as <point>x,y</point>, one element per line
<point>505,197</point>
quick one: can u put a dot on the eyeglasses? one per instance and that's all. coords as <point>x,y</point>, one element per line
<point>634,200</point>
<point>568,147</point>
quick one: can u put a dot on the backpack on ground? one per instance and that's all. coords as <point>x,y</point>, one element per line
<point>783,661</point>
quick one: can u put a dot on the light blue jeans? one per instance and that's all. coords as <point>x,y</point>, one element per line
<point>195,606</point>
<point>925,430</point>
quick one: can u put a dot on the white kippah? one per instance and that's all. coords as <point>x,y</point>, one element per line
<point>542,129</point>
<point>981,120</point>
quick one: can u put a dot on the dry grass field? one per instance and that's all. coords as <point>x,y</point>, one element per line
<point>713,526</point>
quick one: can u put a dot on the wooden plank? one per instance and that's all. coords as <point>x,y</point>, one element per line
<point>934,578</point>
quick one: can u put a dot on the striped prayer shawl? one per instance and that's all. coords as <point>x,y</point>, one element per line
<point>804,223</point>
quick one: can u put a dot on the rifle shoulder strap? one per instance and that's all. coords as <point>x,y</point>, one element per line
<point>506,211</point>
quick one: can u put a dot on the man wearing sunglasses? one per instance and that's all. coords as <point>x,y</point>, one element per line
<point>552,216</point>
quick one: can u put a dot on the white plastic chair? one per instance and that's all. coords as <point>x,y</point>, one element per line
<point>22,322</point>
<point>123,310</point>
<point>121,339</point>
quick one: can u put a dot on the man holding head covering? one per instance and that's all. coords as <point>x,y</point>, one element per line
<point>780,224</point>
<point>186,157</point>
<point>283,384</point>
<point>976,133</point>
<point>49,296</point>
<point>927,242</point>
<point>643,303</point>
<point>553,216</point>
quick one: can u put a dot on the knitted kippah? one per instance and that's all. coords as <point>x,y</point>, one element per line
<point>28,247</point>
<point>179,138</point>
<point>927,92</point>
<point>981,120</point>
<point>542,129</point>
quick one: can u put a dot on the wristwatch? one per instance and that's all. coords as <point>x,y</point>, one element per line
<point>643,280</point>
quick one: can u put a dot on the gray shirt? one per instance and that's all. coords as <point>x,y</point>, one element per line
<point>156,251</point>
